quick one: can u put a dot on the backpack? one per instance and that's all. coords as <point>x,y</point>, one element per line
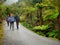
<point>9,19</point>
<point>12,19</point>
<point>17,18</point>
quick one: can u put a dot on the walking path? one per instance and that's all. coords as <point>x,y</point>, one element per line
<point>25,37</point>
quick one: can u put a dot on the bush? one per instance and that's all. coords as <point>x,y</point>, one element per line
<point>43,27</point>
<point>22,18</point>
<point>29,26</point>
<point>53,33</point>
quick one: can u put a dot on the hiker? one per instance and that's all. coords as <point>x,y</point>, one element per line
<point>17,19</point>
<point>7,19</point>
<point>12,20</point>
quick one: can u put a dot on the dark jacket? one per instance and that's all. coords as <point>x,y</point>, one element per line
<point>17,18</point>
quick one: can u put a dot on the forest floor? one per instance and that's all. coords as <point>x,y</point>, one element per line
<point>24,36</point>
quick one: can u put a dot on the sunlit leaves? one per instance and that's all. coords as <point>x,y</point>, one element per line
<point>43,27</point>
<point>52,15</point>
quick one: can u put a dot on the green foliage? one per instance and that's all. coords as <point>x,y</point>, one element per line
<point>39,5</point>
<point>32,9</point>
<point>43,27</point>
<point>52,15</point>
<point>52,33</point>
<point>35,18</point>
<point>30,15</point>
<point>22,18</point>
<point>58,35</point>
<point>36,1</point>
<point>27,25</point>
<point>2,11</point>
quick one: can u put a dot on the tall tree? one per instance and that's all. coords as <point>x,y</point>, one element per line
<point>38,2</point>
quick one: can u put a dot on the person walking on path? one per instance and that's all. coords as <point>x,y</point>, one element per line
<point>17,19</point>
<point>12,20</point>
<point>7,19</point>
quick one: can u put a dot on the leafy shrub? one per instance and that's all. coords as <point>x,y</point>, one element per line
<point>29,26</point>
<point>22,18</point>
<point>58,35</point>
<point>43,27</point>
<point>52,33</point>
<point>52,15</point>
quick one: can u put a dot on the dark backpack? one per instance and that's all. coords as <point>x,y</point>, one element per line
<point>17,18</point>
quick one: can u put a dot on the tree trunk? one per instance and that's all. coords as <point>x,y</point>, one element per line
<point>41,18</point>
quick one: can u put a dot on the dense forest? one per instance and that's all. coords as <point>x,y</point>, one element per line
<point>40,16</point>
